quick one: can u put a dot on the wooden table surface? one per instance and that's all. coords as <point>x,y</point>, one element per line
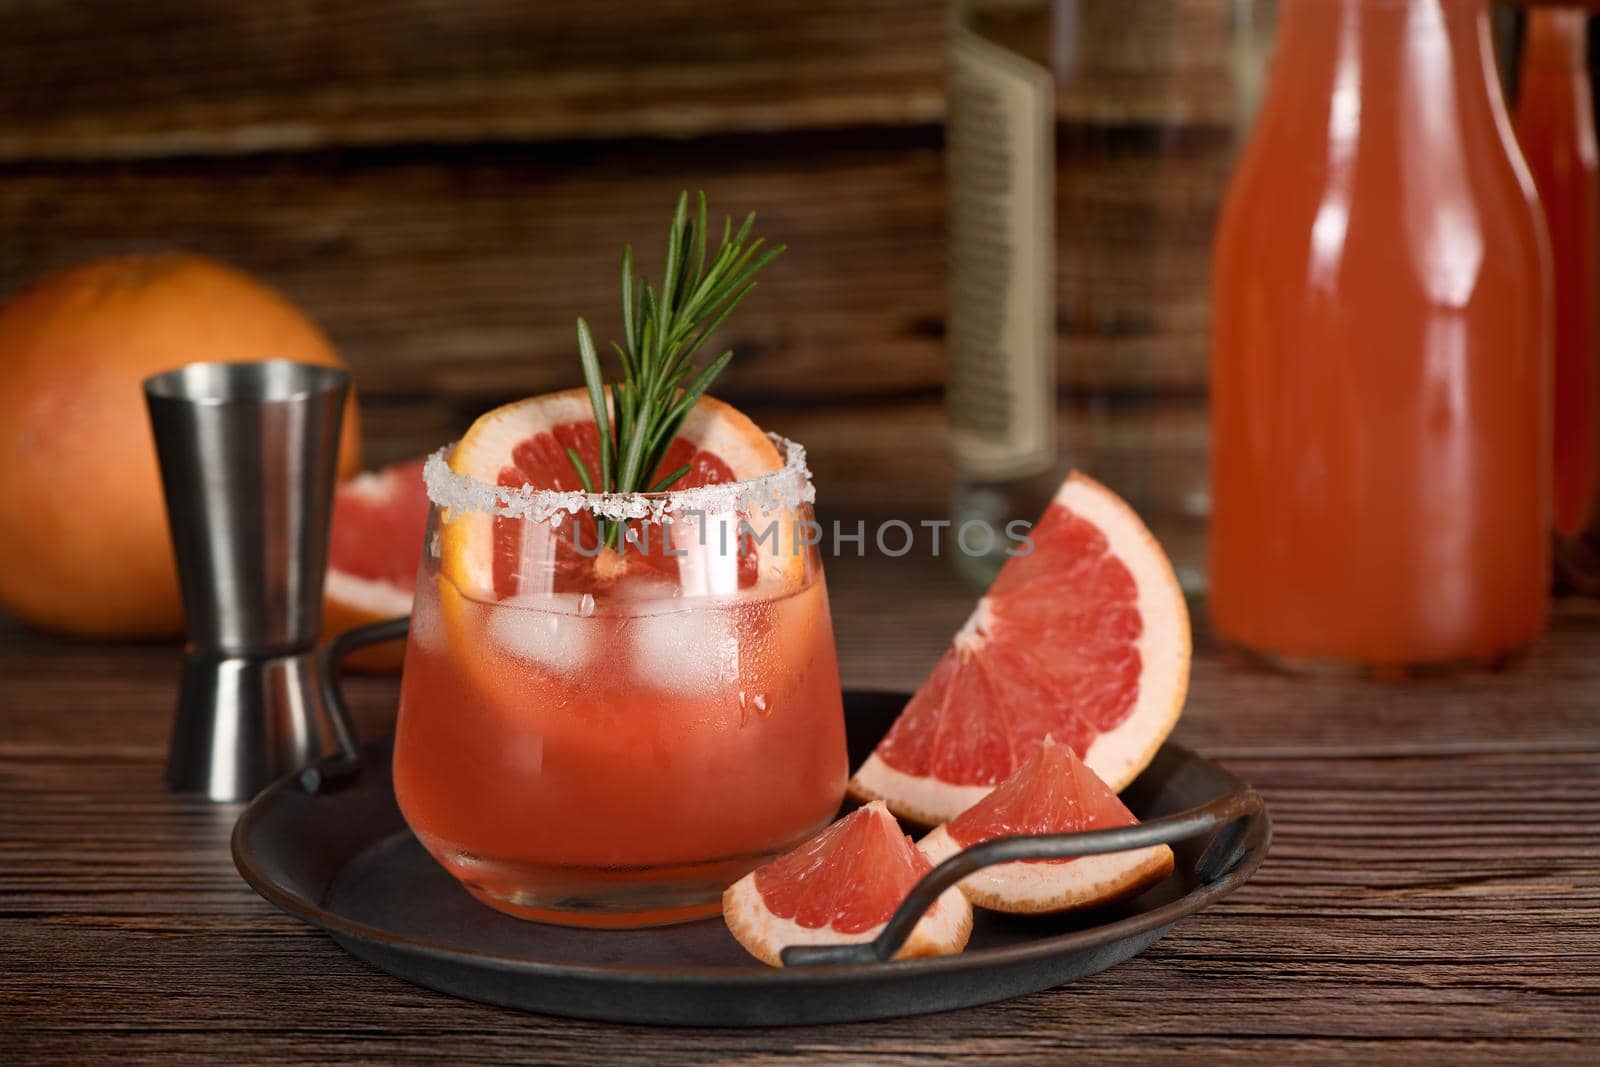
<point>1433,890</point>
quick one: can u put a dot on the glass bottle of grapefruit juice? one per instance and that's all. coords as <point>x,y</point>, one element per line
<point>1380,357</point>
<point>606,737</point>
<point>1555,127</point>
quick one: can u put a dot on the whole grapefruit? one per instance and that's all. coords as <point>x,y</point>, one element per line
<point>84,547</point>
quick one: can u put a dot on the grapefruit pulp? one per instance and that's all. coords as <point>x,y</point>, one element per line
<point>379,520</point>
<point>1085,638</point>
<point>841,887</point>
<point>525,444</point>
<point>488,559</point>
<point>1052,792</point>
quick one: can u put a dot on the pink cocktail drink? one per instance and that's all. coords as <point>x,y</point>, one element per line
<point>622,736</point>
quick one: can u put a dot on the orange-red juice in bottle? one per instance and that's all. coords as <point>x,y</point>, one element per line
<point>1555,126</point>
<point>1380,389</point>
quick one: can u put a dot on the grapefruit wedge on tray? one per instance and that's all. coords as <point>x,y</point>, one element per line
<point>1084,638</point>
<point>379,519</point>
<point>1052,792</point>
<point>840,888</point>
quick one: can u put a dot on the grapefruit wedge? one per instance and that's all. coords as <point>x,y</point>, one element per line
<point>379,520</point>
<point>525,444</point>
<point>841,887</point>
<point>1052,792</point>
<point>1085,638</point>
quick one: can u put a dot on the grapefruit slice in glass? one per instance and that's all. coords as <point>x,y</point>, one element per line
<point>525,444</point>
<point>1085,637</point>
<point>550,566</point>
<point>840,888</point>
<point>379,520</point>
<point>1052,792</point>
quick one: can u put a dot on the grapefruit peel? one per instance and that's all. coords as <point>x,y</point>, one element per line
<point>1117,755</point>
<point>1031,887</point>
<point>771,483</point>
<point>379,520</point>
<point>942,930</point>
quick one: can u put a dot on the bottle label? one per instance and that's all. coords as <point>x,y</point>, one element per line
<point>1001,156</point>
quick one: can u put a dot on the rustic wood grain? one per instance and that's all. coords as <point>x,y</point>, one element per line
<point>106,79</point>
<point>458,272</point>
<point>1418,908</point>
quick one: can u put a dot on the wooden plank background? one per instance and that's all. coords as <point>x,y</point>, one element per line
<point>91,78</point>
<point>447,186</point>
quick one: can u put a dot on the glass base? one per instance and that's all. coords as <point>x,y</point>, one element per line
<point>569,913</point>
<point>1380,672</point>
<point>991,504</point>
<point>1577,564</point>
<point>1178,523</point>
<point>604,897</point>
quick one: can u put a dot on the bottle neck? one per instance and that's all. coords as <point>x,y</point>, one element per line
<point>1318,30</point>
<point>1385,118</point>
<point>1556,39</point>
<point>1388,54</point>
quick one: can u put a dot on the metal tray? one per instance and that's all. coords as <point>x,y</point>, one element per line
<point>329,847</point>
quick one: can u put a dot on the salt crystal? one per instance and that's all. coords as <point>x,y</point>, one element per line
<point>781,491</point>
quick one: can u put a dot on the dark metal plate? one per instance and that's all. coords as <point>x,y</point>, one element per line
<point>342,859</point>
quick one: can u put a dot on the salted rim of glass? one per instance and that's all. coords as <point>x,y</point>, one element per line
<point>784,489</point>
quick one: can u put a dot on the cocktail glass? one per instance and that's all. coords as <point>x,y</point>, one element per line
<point>615,705</point>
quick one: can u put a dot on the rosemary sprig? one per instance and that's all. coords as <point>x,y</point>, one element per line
<point>662,330</point>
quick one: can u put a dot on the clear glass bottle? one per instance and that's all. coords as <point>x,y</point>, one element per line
<point>1089,145</point>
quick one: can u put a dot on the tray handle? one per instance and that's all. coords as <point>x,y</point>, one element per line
<point>329,773</point>
<point>1229,816</point>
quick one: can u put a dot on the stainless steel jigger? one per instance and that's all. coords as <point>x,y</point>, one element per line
<point>248,456</point>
